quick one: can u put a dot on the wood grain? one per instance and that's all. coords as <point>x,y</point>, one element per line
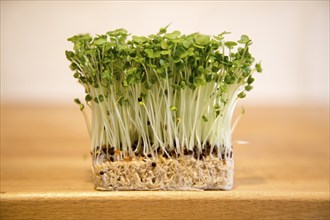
<point>282,173</point>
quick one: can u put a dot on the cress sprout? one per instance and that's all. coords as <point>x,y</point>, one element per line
<point>166,93</point>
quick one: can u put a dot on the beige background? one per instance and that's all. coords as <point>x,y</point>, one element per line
<point>290,38</point>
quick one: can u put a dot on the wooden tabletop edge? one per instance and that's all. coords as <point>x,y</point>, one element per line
<point>170,195</point>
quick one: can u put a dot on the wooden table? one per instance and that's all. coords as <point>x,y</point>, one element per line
<point>282,173</point>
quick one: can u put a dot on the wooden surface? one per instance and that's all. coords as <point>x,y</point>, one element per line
<point>282,173</point>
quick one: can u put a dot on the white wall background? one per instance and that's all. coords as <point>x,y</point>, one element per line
<point>290,38</point>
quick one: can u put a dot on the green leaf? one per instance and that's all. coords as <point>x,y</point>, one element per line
<point>118,32</point>
<point>163,29</point>
<point>223,33</point>
<point>73,66</point>
<point>200,69</point>
<point>107,75</point>
<point>150,53</point>
<point>100,40</point>
<point>183,84</point>
<point>163,45</point>
<point>76,100</point>
<point>76,75</point>
<point>209,78</point>
<point>248,88</point>
<point>184,54</point>
<point>173,35</point>
<point>220,36</point>
<point>139,40</point>
<point>131,71</point>
<point>230,79</point>
<point>80,38</point>
<point>125,83</point>
<point>258,67</point>
<point>173,108</point>
<point>250,80</point>
<point>165,52</point>
<point>202,40</point>
<point>176,86</point>
<point>199,46</point>
<point>244,39</point>
<point>246,71</point>
<point>230,44</point>
<point>241,95</point>
<point>187,43</point>
<point>69,54</point>
<point>223,87</point>
<point>88,98</point>
<point>199,81</point>
<point>101,98</point>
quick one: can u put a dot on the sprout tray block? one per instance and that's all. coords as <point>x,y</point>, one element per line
<point>161,107</point>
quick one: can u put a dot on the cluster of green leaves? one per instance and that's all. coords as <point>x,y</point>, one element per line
<point>140,88</point>
<point>116,59</point>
